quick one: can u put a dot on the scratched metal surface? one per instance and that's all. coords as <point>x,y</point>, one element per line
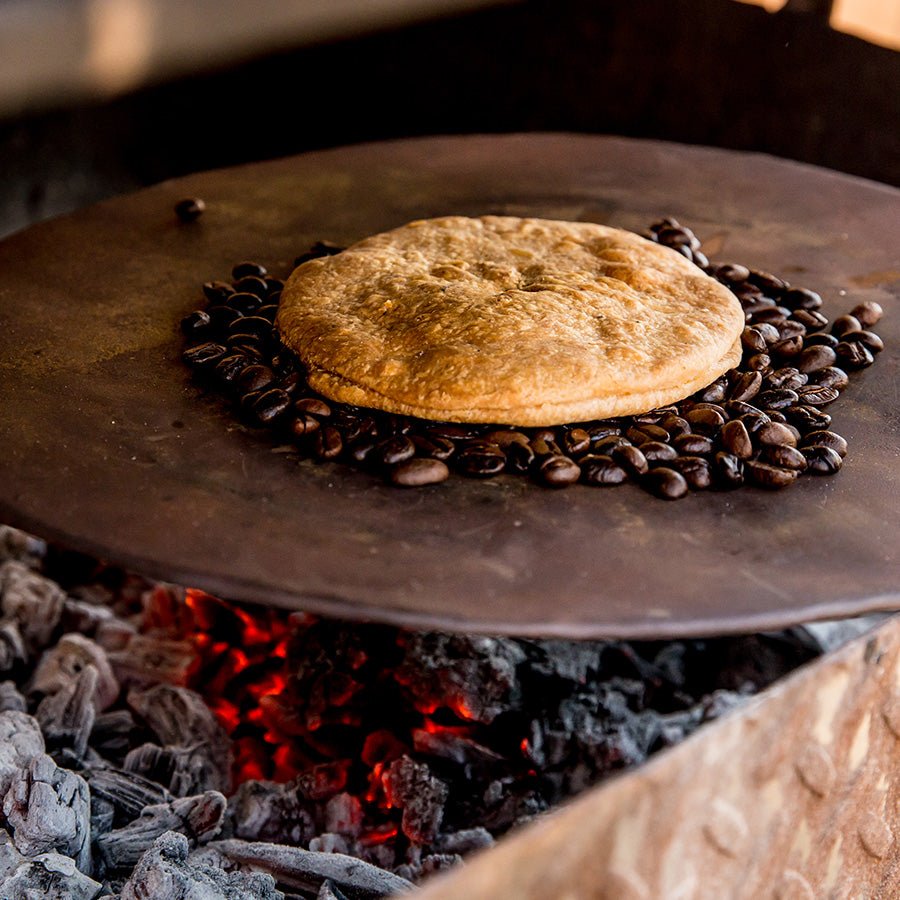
<point>109,446</point>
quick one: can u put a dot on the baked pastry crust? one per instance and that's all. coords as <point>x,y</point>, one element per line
<point>509,320</point>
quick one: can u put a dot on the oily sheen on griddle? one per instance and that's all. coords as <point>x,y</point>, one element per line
<point>515,320</point>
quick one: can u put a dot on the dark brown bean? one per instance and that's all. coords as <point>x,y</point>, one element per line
<point>275,285</point>
<point>790,346</point>
<point>728,470</point>
<point>558,471</point>
<point>753,421</point>
<point>788,377</point>
<point>772,315</point>
<point>736,440</point>
<point>777,398</point>
<point>807,418</point>
<point>791,328</point>
<point>753,340</point>
<point>314,406</point>
<point>608,444</point>
<point>826,439</point>
<point>221,316</point>
<point>204,355</point>
<point>433,447</point>
<point>243,269</point>
<point>601,471</point>
<point>842,324</point>
<point>196,323</point>
<point>190,209</point>
<point>772,285</point>
<point>576,441</point>
<point>655,416</point>
<point>631,459</point>
<point>871,341</point>
<point>853,356</point>
<point>418,472</point>
<point>251,284</point>
<point>759,362</point>
<point>245,303</point>
<point>452,432</point>
<point>600,430</point>
<point>271,404</point>
<point>810,319</point>
<point>746,387</point>
<point>657,451</point>
<point>217,291</point>
<point>769,476</point>
<point>716,391</point>
<point>479,459</point>
<point>736,408</point>
<point>255,378</point>
<point>395,450</point>
<point>867,313</point>
<point>328,442</point>
<point>304,425</point>
<point>706,421</point>
<point>696,471</point>
<point>665,483</point>
<point>816,395</point>
<point>785,457</point>
<point>519,457</point>
<point>268,312</point>
<point>801,298</point>
<point>832,377</point>
<point>814,358</point>
<point>693,444</point>
<point>675,425</point>
<point>823,339</point>
<point>822,460</point>
<point>731,272</point>
<point>229,368</point>
<point>775,434</point>
<point>362,450</point>
<point>255,325</point>
<point>356,428</point>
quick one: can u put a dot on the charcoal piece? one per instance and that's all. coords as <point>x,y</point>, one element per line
<point>147,659</point>
<point>49,876</point>
<point>21,742</point>
<point>164,871</point>
<point>60,665</point>
<point>298,869</point>
<point>265,811</point>
<point>464,841</point>
<point>411,787</point>
<point>455,748</point>
<point>35,602</point>
<point>344,815</point>
<point>115,635</point>
<point>329,892</point>
<point>180,718</point>
<point>21,547</point>
<point>568,660</point>
<point>103,815</point>
<point>198,818</point>
<point>328,842</point>
<point>84,617</point>
<point>67,717</point>
<point>48,809</point>
<point>11,698</point>
<point>128,792</point>
<point>474,676</point>
<point>183,770</point>
<point>114,734</point>
<point>12,645</point>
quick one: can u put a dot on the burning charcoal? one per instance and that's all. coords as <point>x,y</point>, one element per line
<point>464,841</point>
<point>181,718</point>
<point>48,809</point>
<point>35,602</point>
<point>67,717</point>
<point>344,815</point>
<point>456,748</point>
<point>165,872</point>
<point>148,659</point>
<point>262,810</point>
<point>475,676</point>
<point>50,876</point>
<point>200,818</point>
<point>21,547</point>
<point>12,646</point>
<point>11,699</point>
<point>329,892</point>
<point>294,868</point>
<point>64,662</point>
<point>411,787</point>
<point>183,770</point>
<point>21,742</point>
<point>128,793</point>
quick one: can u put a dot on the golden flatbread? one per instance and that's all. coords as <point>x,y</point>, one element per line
<point>508,320</point>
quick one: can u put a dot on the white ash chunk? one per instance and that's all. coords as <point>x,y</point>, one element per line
<point>200,818</point>
<point>47,876</point>
<point>85,617</point>
<point>21,742</point>
<point>67,717</point>
<point>48,809</point>
<point>11,698</point>
<point>183,770</point>
<point>59,666</point>
<point>266,811</point>
<point>148,659</point>
<point>35,602</point>
<point>12,645</point>
<point>164,872</point>
<point>22,547</point>
<point>329,892</point>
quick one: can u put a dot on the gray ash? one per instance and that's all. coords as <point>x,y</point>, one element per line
<point>721,437</point>
<point>160,742</point>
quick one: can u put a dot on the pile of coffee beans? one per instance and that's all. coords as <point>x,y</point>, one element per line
<point>762,423</point>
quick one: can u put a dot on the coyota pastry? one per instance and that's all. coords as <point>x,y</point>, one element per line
<point>507,320</point>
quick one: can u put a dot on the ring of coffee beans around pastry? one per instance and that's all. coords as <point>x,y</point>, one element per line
<point>763,423</point>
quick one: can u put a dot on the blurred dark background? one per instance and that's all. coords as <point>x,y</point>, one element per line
<point>713,72</point>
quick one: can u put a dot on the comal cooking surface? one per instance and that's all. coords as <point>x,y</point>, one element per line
<point>108,445</point>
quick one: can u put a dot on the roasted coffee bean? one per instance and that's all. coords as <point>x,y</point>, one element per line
<point>771,315</point>
<point>822,338</point>
<point>362,450</point>
<point>657,451</point>
<point>831,377</point>
<point>770,284</point>
<point>777,398</point>
<point>675,425</point>
<point>746,387</point>
<point>418,472</point>
<point>816,395</point>
<point>826,439</point>
<point>736,439</point>
<point>395,450</point>
<point>255,378</point>
<point>519,457</point>
<point>807,418</point>
<point>328,442</point>
<point>268,312</point>
<point>822,460</point>
<point>256,325</point>
<point>543,447</point>
<point>290,383</point>
<point>608,444</point>
<point>770,333</point>
<point>314,406</point>
<point>685,251</point>
<point>217,291</point>
<point>871,341</point>
<point>760,362</point>
<point>810,319</point>
<point>731,273</point>
<point>790,346</point>
<point>601,471</point>
<point>867,313</point>
<point>190,209</point>
<point>788,377</point>
<point>544,434</point>
<point>785,457</point>
<point>238,339</point>
<point>801,298</point>
<point>752,340</point>
<point>478,459</point>
<point>753,310</point>
<point>356,427</point>
<point>753,421</point>
<point>576,441</point>
<point>728,470</point>
<point>645,433</point>
<point>391,425</point>
<point>304,425</point>
<point>244,302</point>
<point>701,259</point>
<point>195,324</point>
<point>852,355</point>
<point>775,434</point>
<point>655,416</point>
<point>247,345</point>
<point>677,237</point>
<point>706,421</point>
<point>433,447</point>
<point>735,408</point>
<point>693,444</point>
<point>842,324</point>
<point>221,316</point>
<point>791,328</point>
<point>250,284</point>
<point>558,471</point>
<point>631,459</point>
<point>273,286</point>
<point>245,269</point>
<point>696,471</point>
<point>246,401</point>
<point>452,432</point>
<point>716,391</point>
<point>204,355</point>
<point>665,483</point>
<point>229,368</point>
<point>271,404</point>
<point>600,430</point>
<point>769,476</point>
<point>274,298</point>
<point>503,437</point>
<point>814,358</point>
<point>749,294</point>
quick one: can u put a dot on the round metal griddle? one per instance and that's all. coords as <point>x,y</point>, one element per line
<point>109,446</point>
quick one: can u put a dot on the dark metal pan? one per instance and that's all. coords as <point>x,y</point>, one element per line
<point>109,446</point>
